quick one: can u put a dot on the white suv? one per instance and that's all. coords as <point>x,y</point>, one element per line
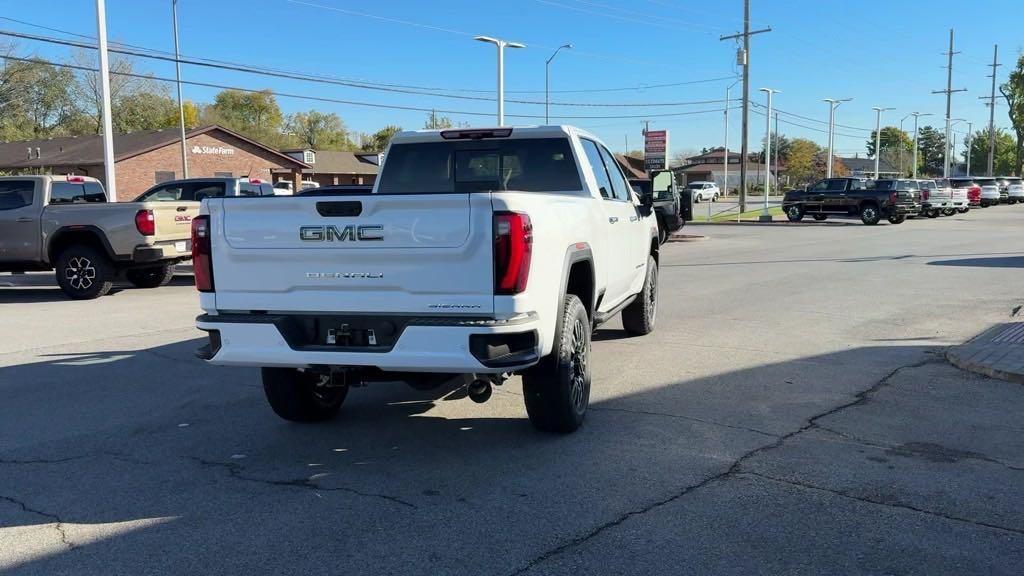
<point>479,254</point>
<point>704,191</point>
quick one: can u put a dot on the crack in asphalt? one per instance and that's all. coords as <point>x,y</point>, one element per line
<point>41,460</point>
<point>235,471</point>
<point>733,470</point>
<point>58,523</point>
<point>888,504</point>
<point>682,417</point>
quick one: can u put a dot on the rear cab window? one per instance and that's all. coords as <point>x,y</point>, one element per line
<point>76,192</point>
<point>460,166</point>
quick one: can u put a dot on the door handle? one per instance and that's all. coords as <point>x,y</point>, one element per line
<point>25,219</point>
<point>182,208</point>
<point>613,219</point>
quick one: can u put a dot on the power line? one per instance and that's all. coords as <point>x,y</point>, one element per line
<point>635,17</point>
<point>356,102</point>
<point>309,78</point>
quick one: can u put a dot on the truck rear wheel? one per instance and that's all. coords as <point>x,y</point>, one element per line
<point>151,277</point>
<point>870,215</point>
<point>302,396</point>
<point>84,273</point>
<point>638,318</point>
<point>795,213</point>
<point>557,390</point>
<point>897,219</point>
<point>948,211</point>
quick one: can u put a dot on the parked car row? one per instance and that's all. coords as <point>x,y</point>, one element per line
<point>898,199</point>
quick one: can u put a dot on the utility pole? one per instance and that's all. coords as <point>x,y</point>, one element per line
<point>878,135</point>
<point>833,103</point>
<point>949,102</point>
<point>992,114</point>
<point>744,60</point>
<point>108,125</point>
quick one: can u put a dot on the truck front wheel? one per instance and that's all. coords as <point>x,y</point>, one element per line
<point>151,277</point>
<point>870,215</point>
<point>638,318</point>
<point>84,273</point>
<point>302,396</point>
<point>557,390</point>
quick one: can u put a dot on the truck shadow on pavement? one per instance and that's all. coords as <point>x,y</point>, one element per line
<point>124,460</point>
<point>994,262</point>
<point>16,289</point>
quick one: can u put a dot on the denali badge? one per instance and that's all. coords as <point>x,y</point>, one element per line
<point>334,275</point>
<point>346,234</point>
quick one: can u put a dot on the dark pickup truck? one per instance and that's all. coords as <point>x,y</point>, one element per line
<point>672,207</point>
<point>872,201</point>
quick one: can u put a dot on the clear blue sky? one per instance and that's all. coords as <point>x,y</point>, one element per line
<point>881,53</point>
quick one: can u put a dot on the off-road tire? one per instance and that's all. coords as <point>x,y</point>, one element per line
<point>963,210</point>
<point>948,211</point>
<point>301,396</point>
<point>933,213</point>
<point>821,217</point>
<point>870,214</point>
<point>84,273</point>
<point>898,219</point>
<point>641,315</point>
<point>795,213</point>
<point>151,277</point>
<point>557,390</point>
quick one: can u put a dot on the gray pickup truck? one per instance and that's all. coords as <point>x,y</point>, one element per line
<point>64,223</point>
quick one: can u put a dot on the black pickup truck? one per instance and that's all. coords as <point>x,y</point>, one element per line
<point>890,199</point>
<point>672,206</point>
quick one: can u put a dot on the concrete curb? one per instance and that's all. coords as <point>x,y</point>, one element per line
<point>964,362</point>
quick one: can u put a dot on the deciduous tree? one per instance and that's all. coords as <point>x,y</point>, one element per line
<point>1013,91</point>
<point>801,161</point>
<point>319,131</point>
<point>379,140</point>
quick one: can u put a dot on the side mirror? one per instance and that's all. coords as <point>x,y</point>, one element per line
<point>647,199</point>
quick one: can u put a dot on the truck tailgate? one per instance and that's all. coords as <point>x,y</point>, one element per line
<point>408,254</point>
<point>173,219</point>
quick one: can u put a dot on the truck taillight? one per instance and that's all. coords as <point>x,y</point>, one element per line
<point>202,263</point>
<point>513,249</point>
<point>894,197</point>
<point>145,223</point>
<point>924,194</point>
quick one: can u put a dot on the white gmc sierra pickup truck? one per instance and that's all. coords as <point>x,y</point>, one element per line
<point>480,253</point>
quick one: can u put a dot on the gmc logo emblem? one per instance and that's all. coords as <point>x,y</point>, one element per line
<point>182,218</point>
<point>345,234</point>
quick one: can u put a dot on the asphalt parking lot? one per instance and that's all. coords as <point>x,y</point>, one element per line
<point>792,413</point>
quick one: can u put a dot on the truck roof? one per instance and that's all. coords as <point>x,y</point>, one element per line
<point>51,177</point>
<point>410,136</point>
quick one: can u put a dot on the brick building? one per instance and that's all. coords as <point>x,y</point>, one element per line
<point>145,158</point>
<point>331,167</point>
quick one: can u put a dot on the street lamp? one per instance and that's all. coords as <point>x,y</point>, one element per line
<point>967,143</point>
<point>547,80</point>
<point>501,44</point>
<point>765,216</point>
<point>916,115</point>
<point>181,103</point>
<point>726,155</point>
<point>833,103</point>
<point>878,135</point>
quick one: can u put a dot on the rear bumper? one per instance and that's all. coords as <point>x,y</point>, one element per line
<point>440,345</point>
<point>160,252</point>
<point>903,209</point>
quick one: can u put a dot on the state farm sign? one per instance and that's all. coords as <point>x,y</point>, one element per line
<point>655,150</point>
<point>215,150</point>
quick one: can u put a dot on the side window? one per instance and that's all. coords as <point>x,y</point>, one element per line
<point>16,194</point>
<point>836,185</point>
<point>204,191</point>
<point>619,185</point>
<point>165,193</point>
<point>820,186</point>
<point>604,185</point>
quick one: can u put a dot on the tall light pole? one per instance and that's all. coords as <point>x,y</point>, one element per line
<point>547,81</point>
<point>878,135</point>
<point>181,103</point>
<point>501,44</point>
<point>726,155</point>
<point>970,145</point>
<point>902,120</point>
<point>108,124</point>
<point>916,115</point>
<point>765,216</point>
<point>954,122</point>
<point>833,103</point>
